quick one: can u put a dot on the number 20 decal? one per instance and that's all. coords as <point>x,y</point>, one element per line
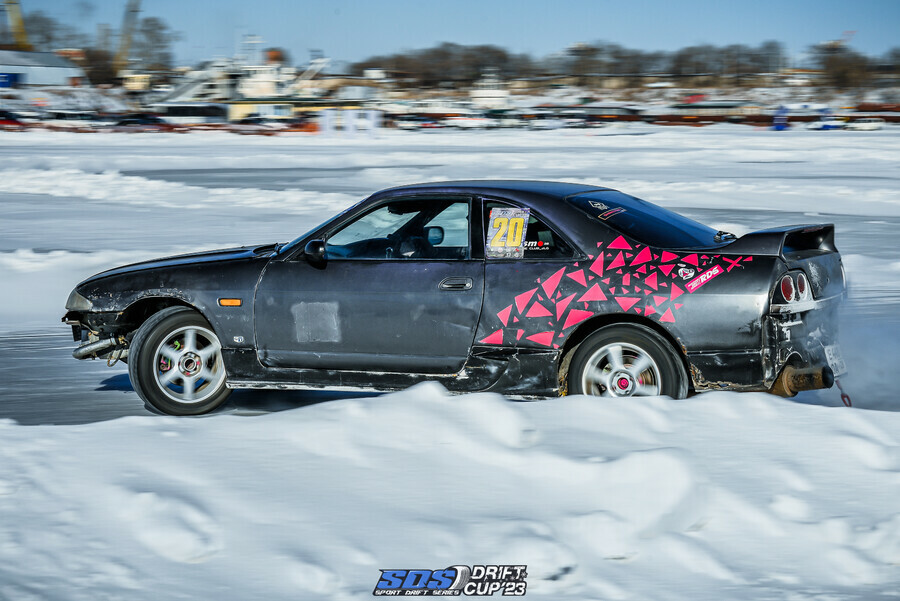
<point>507,227</point>
<point>513,228</point>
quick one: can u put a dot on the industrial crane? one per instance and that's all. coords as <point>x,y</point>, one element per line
<point>120,61</point>
<point>17,25</point>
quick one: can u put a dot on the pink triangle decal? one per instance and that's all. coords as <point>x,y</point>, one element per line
<point>495,338</point>
<point>605,280</point>
<point>667,256</point>
<point>678,305</point>
<point>619,244</point>
<point>522,300</point>
<point>544,338</point>
<point>667,316</point>
<point>692,259</point>
<point>642,257</point>
<point>519,334</point>
<point>649,310</point>
<point>617,262</point>
<point>552,282</point>
<point>597,265</point>
<point>676,292</point>
<point>593,294</point>
<point>642,269</point>
<point>666,269</point>
<point>576,316</point>
<point>626,302</point>
<point>659,300</point>
<point>626,279</point>
<point>561,306</point>
<point>504,315</point>
<point>538,310</point>
<point>650,280</point>
<point>515,320</point>
<point>578,276</point>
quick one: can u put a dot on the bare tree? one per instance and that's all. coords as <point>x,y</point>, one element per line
<point>151,45</point>
<point>842,67</point>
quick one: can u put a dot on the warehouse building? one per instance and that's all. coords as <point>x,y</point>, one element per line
<point>28,69</point>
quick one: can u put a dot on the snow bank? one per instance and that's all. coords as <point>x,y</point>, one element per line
<point>721,496</point>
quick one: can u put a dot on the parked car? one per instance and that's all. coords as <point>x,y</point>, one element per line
<point>525,288</point>
<point>865,124</point>
<point>10,121</point>
<point>71,120</point>
<point>143,122</point>
<point>827,124</point>
<point>255,124</point>
<point>416,122</point>
<point>473,121</point>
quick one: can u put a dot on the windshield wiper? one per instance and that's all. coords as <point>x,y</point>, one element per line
<point>723,236</point>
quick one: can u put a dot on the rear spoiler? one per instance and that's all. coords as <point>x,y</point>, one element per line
<point>781,240</point>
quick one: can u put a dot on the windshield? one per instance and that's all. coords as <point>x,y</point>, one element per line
<point>644,221</point>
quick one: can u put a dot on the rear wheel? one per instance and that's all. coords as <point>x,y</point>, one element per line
<point>176,363</point>
<point>626,360</point>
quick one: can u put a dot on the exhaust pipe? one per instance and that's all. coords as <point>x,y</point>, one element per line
<point>84,352</point>
<point>793,380</point>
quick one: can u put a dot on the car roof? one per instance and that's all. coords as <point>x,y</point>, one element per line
<point>503,187</point>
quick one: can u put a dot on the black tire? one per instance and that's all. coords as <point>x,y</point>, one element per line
<point>176,363</point>
<point>645,364</point>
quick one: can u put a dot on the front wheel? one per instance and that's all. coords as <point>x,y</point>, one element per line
<point>176,363</point>
<point>626,360</point>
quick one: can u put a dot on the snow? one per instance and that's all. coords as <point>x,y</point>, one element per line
<point>720,496</point>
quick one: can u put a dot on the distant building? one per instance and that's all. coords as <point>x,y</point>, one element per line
<point>28,69</point>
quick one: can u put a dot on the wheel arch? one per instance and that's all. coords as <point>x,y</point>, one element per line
<point>593,324</point>
<point>143,309</point>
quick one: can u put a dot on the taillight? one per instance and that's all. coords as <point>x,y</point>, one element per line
<point>787,289</point>
<point>802,287</point>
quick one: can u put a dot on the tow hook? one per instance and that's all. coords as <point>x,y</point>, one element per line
<point>793,380</point>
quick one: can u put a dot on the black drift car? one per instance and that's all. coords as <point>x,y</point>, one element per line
<point>521,287</point>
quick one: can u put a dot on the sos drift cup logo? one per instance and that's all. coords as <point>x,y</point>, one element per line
<point>482,581</point>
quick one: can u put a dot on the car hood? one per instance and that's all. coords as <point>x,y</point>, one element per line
<point>210,256</point>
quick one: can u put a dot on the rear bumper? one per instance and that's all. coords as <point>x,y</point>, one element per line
<point>794,336</point>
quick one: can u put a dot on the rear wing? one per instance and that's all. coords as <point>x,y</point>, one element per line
<point>781,241</point>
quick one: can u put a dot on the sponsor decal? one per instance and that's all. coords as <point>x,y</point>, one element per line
<point>606,215</point>
<point>686,273</point>
<point>536,245</point>
<point>704,277</point>
<point>478,580</point>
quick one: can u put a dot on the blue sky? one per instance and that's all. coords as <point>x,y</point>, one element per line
<point>348,30</point>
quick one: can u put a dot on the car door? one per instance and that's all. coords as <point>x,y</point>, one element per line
<point>524,305</point>
<point>398,290</point>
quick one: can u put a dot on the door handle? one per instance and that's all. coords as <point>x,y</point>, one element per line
<point>453,283</point>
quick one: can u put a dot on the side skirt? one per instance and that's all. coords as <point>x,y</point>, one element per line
<point>506,371</point>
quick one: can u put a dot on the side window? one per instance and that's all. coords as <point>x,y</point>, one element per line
<point>515,233</point>
<point>435,229</point>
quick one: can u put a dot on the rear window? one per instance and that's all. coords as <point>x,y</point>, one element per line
<point>644,221</point>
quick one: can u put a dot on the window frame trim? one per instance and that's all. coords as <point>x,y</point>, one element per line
<point>468,198</point>
<point>577,253</point>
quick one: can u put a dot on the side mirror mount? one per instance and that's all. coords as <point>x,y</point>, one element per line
<point>315,252</point>
<point>434,234</point>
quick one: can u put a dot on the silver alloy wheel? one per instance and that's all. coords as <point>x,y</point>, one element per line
<point>621,370</point>
<point>188,365</point>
